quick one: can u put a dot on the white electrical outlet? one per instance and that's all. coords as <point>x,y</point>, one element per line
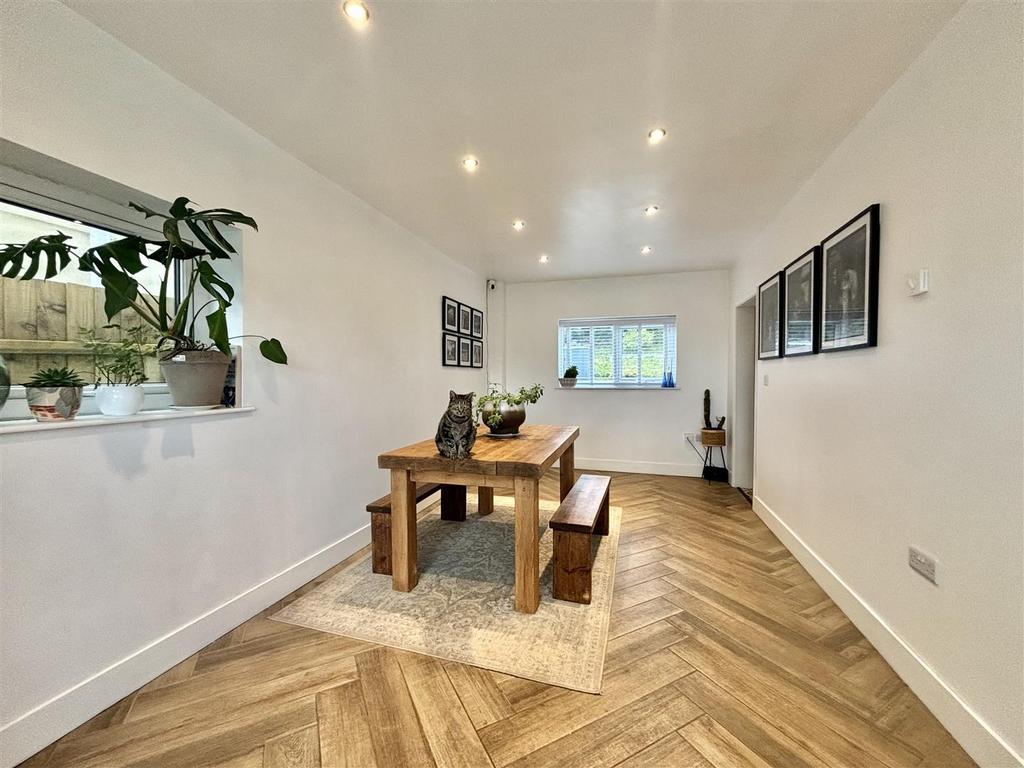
<point>923,563</point>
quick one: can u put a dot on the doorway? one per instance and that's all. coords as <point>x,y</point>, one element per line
<point>743,410</point>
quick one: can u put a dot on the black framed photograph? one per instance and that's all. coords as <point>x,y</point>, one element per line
<point>465,352</point>
<point>478,324</point>
<point>802,290</point>
<point>769,318</point>
<point>449,314</point>
<point>478,354</point>
<point>849,284</point>
<point>465,319</point>
<point>449,349</point>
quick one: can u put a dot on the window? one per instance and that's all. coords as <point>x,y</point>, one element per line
<point>618,352</point>
<point>42,319</point>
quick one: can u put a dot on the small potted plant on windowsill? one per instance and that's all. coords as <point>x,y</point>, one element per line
<point>504,412</point>
<point>54,394</point>
<point>195,369</point>
<point>120,369</point>
<point>568,379</point>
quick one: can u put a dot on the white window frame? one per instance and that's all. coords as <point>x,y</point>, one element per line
<point>55,199</point>
<point>618,324</point>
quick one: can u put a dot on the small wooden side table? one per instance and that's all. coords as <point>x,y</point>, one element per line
<point>711,439</point>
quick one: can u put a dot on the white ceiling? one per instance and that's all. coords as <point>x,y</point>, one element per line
<point>556,100</point>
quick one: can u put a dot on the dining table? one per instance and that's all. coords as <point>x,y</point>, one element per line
<point>518,461</point>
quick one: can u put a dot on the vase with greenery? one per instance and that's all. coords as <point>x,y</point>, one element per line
<point>568,379</point>
<point>193,367</point>
<point>120,368</point>
<point>504,412</point>
<point>54,394</point>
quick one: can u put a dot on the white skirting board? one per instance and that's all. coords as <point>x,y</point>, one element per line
<point>967,727</point>
<point>640,467</point>
<point>37,728</point>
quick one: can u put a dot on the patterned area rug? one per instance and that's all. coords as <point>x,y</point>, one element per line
<point>462,608</point>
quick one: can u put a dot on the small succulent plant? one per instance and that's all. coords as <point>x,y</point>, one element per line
<point>56,377</point>
<point>571,372</point>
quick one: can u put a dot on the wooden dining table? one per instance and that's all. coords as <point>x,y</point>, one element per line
<point>493,463</point>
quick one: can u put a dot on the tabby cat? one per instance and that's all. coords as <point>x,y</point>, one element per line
<point>457,431</point>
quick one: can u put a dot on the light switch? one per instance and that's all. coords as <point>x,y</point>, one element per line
<point>917,282</point>
<point>766,379</point>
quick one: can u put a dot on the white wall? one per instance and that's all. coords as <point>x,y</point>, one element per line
<point>625,430</point>
<point>124,549</point>
<point>919,441</point>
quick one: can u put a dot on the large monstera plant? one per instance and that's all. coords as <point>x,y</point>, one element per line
<point>118,262</point>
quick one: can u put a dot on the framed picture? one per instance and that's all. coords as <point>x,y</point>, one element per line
<point>849,284</point>
<point>769,318</point>
<point>478,324</point>
<point>449,349</point>
<point>803,303</point>
<point>465,352</point>
<point>478,354</point>
<point>449,314</point>
<point>465,320</point>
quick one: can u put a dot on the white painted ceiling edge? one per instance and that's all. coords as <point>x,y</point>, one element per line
<point>556,101</point>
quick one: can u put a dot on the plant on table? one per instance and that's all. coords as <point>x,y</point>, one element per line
<point>54,394</point>
<point>184,351</point>
<point>504,412</point>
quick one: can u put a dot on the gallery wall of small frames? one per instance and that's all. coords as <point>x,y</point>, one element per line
<point>825,300</point>
<point>462,335</point>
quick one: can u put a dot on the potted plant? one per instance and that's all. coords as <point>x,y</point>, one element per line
<point>194,369</point>
<point>568,379</point>
<point>120,369</point>
<point>504,412</point>
<point>54,394</point>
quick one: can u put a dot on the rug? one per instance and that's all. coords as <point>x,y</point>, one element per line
<point>462,608</point>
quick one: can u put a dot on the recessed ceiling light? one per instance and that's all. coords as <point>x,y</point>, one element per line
<point>356,12</point>
<point>645,250</point>
<point>650,210</point>
<point>470,163</point>
<point>518,225</point>
<point>543,258</point>
<point>656,135</point>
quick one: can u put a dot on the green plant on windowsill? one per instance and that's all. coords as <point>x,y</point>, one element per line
<point>568,378</point>
<point>121,362</point>
<point>504,412</point>
<point>54,394</point>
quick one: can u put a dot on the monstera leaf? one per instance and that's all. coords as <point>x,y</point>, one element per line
<point>24,259</point>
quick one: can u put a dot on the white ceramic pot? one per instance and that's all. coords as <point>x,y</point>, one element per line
<point>567,383</point>
<point>119,399</point>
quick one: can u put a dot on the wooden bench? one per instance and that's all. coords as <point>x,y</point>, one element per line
<point>582,514</point>
<point>453,507</point>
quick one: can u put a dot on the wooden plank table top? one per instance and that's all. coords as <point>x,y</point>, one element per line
<point>529,455</point>
<point>493,462</point>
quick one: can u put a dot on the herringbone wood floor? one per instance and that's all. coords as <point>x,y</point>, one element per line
<point>722,652</point>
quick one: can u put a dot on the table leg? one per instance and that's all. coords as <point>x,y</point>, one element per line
<point>484,500</point>
<point>453,502</point>
<point>567,471</point>
<point>527,545</point>
<point>403,531</point>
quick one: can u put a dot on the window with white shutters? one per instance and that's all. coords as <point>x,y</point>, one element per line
<point>619,352</point>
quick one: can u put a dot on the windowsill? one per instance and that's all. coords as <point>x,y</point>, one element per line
<point>602,388</point>
<point>81,422</point>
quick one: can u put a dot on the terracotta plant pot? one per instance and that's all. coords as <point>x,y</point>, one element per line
<point>54,403</point>
<point>567,383</point>
<point>512,417</point>
<point>196,378</point>
<point>120,399</point>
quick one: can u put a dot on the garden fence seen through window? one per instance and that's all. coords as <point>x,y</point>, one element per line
<point>618,351</point>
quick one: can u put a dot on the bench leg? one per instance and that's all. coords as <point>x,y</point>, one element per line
<point>484,500</point>
<point>453,502</point>
<point>601,526</point>
<point>380,535</point>
<point>571,567</point>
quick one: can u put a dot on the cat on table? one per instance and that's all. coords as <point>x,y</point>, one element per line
<point>457,431</point>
